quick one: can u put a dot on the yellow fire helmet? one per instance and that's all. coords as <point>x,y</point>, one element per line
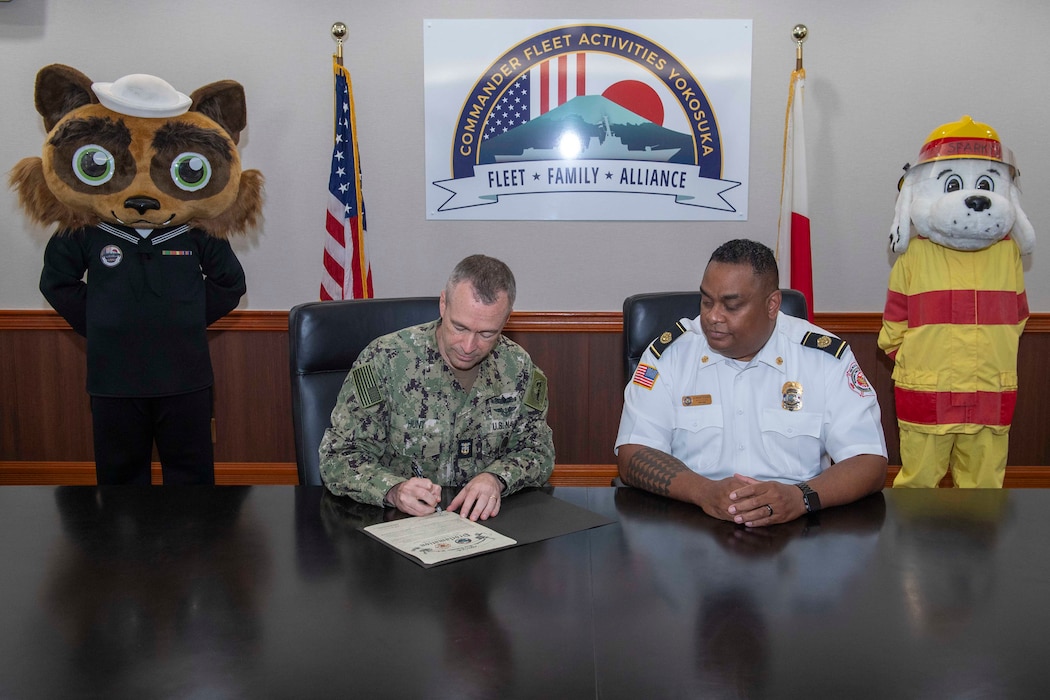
<point>959,141</point>
<point>964,139</point>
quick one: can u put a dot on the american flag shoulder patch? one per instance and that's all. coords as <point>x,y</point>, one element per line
<point>366,386</point>
<point>645,376</point>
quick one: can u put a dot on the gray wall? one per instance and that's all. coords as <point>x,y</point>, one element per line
<point>881,75</point>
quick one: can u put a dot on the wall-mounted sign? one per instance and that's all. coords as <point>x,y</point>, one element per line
<point>624,120</point>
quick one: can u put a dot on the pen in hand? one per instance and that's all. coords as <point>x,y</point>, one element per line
<point>417,472</point>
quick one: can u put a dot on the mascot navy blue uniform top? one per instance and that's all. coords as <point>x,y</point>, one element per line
<point>145,184</point>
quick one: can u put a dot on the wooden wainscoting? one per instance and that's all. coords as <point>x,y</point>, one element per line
<point>45,422</point>
<point>267,474</point>
<point>248,473</point>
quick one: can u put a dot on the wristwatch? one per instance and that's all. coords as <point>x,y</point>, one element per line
<point>809,497</point>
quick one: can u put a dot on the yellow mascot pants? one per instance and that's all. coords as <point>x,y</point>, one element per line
<point>977,461</point>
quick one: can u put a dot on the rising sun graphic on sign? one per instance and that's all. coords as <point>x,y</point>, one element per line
<point>637,97</point>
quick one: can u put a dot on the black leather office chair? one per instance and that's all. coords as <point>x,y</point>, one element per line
<point>324,339</point>
<point>645,316</point>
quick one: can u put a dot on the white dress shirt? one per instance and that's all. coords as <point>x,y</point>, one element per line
<point>785,415</point>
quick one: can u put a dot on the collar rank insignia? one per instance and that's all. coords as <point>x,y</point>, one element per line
<point>828,343</point>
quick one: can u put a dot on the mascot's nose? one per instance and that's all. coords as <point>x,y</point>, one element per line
<point>977,202</point>
<point>144,204</point>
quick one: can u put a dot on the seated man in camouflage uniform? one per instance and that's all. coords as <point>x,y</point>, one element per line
<point>450,403</point>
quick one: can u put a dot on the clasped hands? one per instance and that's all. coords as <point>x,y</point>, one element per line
<point>753,503</point>
<point>478,500</point>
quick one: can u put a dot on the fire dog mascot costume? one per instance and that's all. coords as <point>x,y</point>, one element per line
<point>956,307</point>
<point>144,184</point>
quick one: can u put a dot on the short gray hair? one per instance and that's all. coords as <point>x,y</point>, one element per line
<point>488,276</point>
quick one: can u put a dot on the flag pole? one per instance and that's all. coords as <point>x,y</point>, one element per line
<point>339,33</point>
<point>346,271</point>
<point>794,251</point>
<point>799,34</point>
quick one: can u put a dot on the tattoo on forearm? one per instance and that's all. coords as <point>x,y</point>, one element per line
<point>654,470</point>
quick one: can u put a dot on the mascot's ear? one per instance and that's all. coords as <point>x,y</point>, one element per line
<point>900,232</point>
<point>59,90</point>
<point>223,103</point>
<point>1023,233</point>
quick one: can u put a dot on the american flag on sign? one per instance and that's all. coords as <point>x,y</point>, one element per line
<point>557,81</point>
<point>346,273</point>
<point>645,376</point>
<point>549,85</point>
<point>538,91</point>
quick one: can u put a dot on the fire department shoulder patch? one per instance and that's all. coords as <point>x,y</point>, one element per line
<point>857,381</point>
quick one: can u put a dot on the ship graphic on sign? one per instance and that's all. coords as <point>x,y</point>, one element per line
<point>588,127</point>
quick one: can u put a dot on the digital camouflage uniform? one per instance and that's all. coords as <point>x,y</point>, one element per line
<point>401,406</point>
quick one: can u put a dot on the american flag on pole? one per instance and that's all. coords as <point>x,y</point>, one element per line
<point>794,256</point>
<point>347,274</point>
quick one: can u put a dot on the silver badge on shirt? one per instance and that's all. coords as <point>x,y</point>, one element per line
<point>791,396</point>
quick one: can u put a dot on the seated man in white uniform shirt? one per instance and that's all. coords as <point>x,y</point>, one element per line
<point>753,415</point>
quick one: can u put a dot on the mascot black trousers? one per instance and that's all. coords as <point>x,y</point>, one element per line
<point>125,430</point>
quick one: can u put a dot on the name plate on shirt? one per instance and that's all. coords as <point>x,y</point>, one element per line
<point>697,400</point>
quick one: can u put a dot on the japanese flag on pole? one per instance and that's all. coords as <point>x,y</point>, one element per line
<point>346,273</point>
<point>793,248</point>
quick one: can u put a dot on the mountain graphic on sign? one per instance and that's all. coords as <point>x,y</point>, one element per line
<point>588,127</point>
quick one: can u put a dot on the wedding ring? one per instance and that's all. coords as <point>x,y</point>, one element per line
<point>770,510</point>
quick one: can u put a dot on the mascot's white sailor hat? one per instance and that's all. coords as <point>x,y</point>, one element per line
<point>141,95</point>
<point>964,139</point>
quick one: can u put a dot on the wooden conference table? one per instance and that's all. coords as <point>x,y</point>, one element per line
<point>273,592</point>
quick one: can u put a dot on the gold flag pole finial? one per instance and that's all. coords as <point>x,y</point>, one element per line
<point>799,34</point>
<point>339,33</point>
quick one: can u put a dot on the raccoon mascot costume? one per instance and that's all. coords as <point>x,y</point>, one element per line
<point>145,185</point>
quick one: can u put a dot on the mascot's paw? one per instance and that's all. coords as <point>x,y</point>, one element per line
<point>898,243</point>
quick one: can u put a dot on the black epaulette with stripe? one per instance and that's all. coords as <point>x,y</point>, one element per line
<point>666,338</point>
<point>828,343</point>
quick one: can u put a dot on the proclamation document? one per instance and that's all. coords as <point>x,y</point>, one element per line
<point>439,537</point>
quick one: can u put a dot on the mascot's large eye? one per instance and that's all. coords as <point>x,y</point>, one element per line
<point>93,165</point>
<point>985,183</point>
<point>190,171</point>
<point>954,183</point>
